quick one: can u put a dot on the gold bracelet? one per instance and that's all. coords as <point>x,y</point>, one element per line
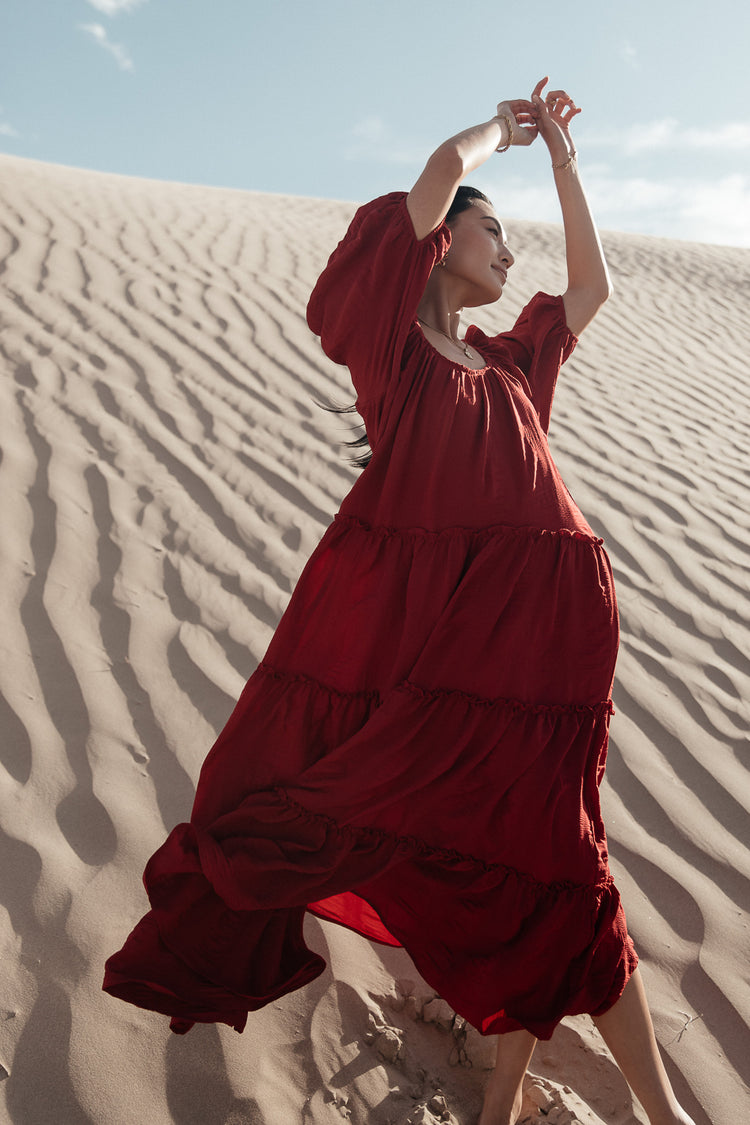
<point>504,117</point>
<point>568,163</point>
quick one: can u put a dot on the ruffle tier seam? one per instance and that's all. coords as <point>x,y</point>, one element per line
<point>605,705</point>
<point>386,531</point>
<point>414,845</point>
<point>517,705</point>
<point>300,677</point>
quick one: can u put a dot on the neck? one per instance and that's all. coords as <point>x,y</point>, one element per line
<point>440,316</point>
<point>442,302</point>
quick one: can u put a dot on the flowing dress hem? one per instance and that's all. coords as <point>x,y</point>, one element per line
<point>199,980</point>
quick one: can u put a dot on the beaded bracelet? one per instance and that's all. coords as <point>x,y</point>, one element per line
<point>504,117</point>
<point>566,164</point>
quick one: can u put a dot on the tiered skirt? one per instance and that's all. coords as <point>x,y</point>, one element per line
<point>417,757</point>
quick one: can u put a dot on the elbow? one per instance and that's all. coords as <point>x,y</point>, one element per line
<point>583,303</point>
<point>448,162</point>
<point>597,298</point>
<point>604,293</point>
<point>601,290</point>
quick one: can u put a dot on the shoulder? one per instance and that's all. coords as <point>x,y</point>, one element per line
<point>367,295</point>
<point>547,307</point>
<point>538,343</point>
<point>383,227</point>
<point>388,210</point>
<point>543,315</point>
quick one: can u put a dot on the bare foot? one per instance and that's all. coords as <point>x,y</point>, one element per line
<point>679,1117</point>
<point>683,1118</point>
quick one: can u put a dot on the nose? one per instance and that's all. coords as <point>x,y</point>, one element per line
<point>506,257</point>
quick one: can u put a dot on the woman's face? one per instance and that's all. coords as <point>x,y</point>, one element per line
<point>479,256</point>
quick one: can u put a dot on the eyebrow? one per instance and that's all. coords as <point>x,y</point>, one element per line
<point>491,219</point>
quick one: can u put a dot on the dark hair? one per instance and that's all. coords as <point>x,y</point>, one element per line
<point>462,201</point>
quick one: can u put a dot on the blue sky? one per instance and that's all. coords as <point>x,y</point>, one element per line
<point>345,100</point>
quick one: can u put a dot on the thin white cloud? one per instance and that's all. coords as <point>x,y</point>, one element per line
<point>114,7</point>
<point>371,139</point>
<point>370,130</point>
<point>722,209</point>
<point>668,133</point>
<point>698,210</point>
<point>6,129</point>
<point>99,35</point>
<point>628,54</point>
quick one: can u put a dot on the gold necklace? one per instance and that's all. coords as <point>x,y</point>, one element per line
<point>459,343</point>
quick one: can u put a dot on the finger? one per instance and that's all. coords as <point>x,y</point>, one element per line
<point>526,116</point>
<point>559,96</point>
<point>571,112</point>
<point>561,109</point>
<point>525,134</point>
<point>539,87</point>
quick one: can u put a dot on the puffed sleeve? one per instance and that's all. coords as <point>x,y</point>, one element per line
<point>538,344</point>
<point>367,296</point>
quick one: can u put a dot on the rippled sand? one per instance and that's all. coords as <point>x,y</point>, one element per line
<point>165,473</point>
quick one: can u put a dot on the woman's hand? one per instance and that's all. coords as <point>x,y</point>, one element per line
<point>522,117</point>
<point>588,280</point>
<point>553,116</point>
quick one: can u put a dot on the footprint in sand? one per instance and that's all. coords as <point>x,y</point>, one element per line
<point>546,1104</point>
<point>433,1112</point>
<point>431,1107</point>
<point>470,1049</point>
<point>387,1041</point>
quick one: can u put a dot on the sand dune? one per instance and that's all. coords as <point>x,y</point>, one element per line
<point>165,473</point>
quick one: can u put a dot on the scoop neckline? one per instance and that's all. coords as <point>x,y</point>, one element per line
<point>447,358</point>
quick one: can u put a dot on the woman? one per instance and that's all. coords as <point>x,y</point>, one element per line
<point>419,753</point>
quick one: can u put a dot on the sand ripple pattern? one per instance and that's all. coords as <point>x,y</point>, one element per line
<point>164,474</point>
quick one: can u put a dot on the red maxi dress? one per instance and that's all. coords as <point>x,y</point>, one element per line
<point>419,753</point>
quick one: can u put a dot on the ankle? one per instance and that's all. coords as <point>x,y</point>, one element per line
<point>678,1117</point>
<point>498,1109</point>
<point>488,1117</point>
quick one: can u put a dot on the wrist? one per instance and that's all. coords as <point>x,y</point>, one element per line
<point>561,148</point>
<point>506,131</point>
<point>567,162</point>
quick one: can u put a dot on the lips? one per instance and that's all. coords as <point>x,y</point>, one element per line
<point>501,271</point>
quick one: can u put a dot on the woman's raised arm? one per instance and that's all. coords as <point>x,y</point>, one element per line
<point>589,285</point>
<point>430,198</point>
